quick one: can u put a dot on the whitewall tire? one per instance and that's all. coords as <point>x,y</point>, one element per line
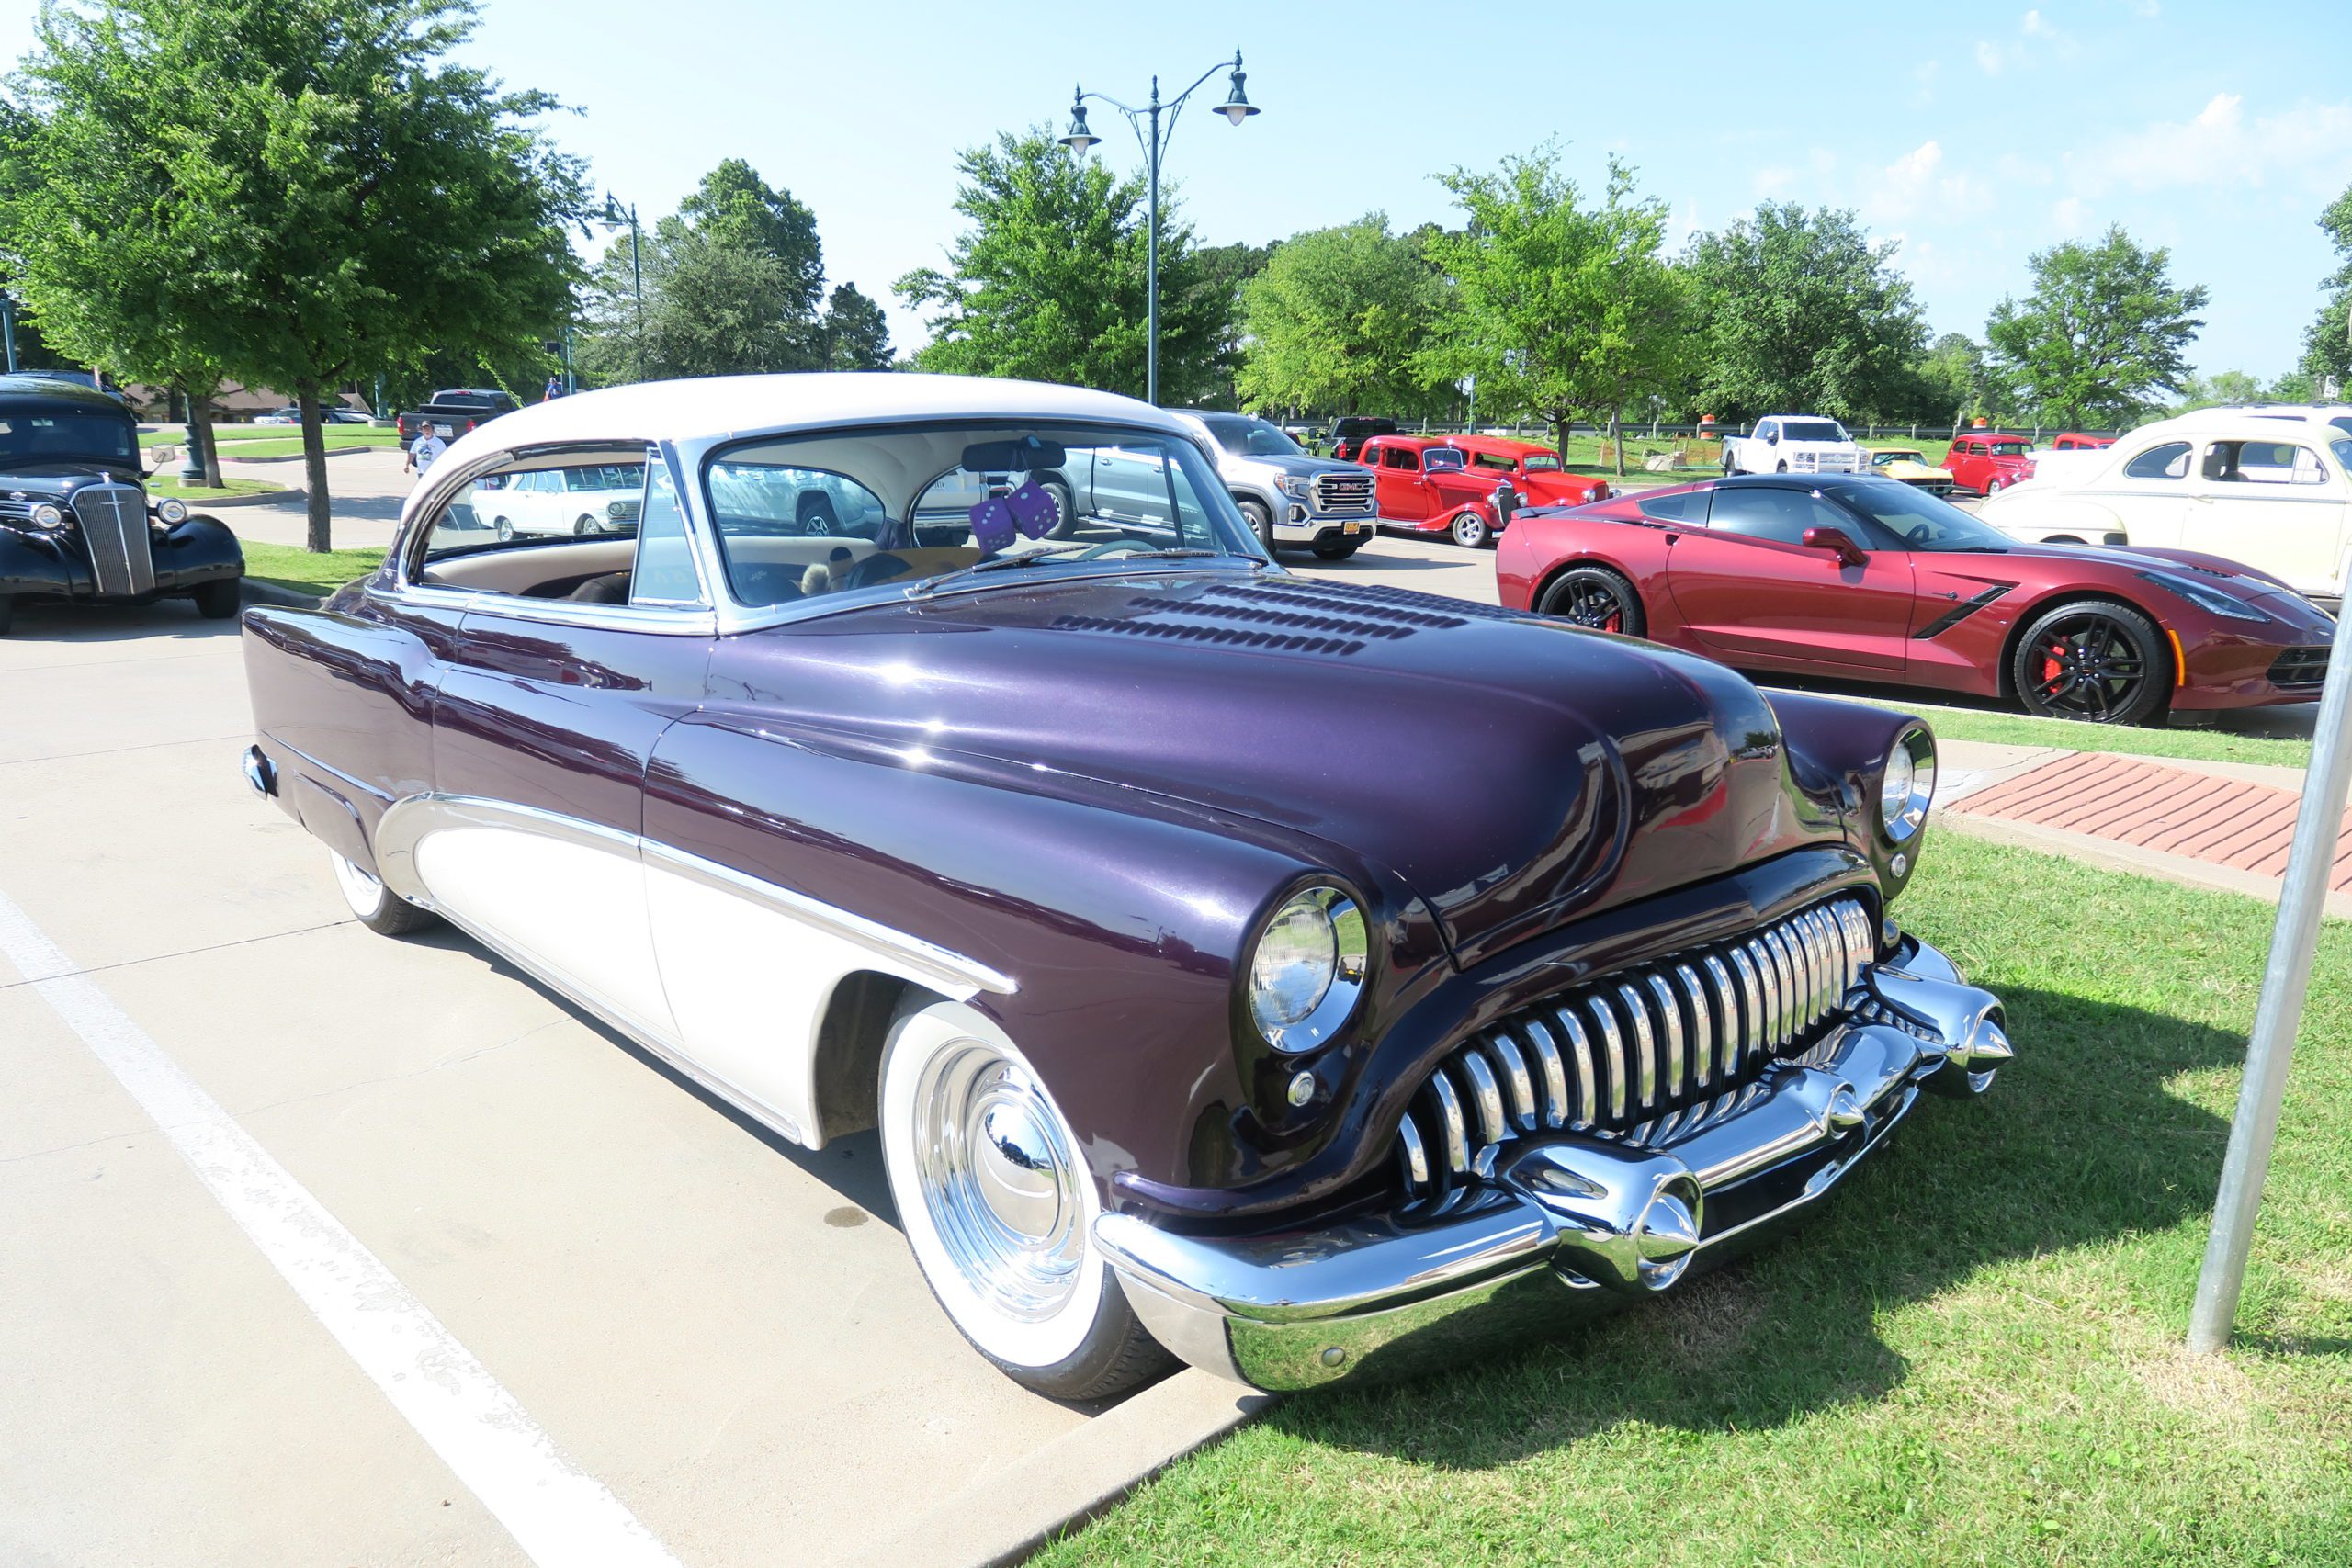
<point>375,906</point>
<point>998,1206</point>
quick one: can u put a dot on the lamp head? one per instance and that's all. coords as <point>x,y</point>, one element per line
<point>1237,107</point>
<point>1078,138</point>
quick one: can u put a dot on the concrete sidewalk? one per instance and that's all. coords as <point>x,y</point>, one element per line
<point>2223,825</point>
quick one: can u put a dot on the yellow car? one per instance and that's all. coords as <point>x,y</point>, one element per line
<point>1912,467</point>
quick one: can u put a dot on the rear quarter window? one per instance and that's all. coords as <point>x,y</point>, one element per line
<point>1691,506</point>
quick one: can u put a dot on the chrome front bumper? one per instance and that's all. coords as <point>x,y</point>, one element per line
<point>1562,1225</point>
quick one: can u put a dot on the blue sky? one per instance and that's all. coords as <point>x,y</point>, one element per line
<point>1975,133</point>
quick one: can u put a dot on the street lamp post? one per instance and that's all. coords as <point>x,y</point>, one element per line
<point>614,215</point>
<point>1145,121</point>
<point>8,328</point>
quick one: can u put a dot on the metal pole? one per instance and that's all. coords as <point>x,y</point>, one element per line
<point>637,276</point>
<point>2280,1009</point>
<point>8,329</point>
<point>1151,266</point>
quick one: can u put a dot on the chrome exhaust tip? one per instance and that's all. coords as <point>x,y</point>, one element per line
<point>260,772</point>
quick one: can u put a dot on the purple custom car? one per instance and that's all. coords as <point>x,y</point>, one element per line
<point>1298,977</point>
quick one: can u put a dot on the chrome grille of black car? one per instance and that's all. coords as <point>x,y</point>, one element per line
<point>1628,1048</point>
<point>1343,495</point>
<point>114,525</point>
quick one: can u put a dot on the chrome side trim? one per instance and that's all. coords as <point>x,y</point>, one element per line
<point>409,820</point>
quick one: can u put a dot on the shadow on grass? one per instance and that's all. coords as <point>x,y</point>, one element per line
<point>2078,1142</point>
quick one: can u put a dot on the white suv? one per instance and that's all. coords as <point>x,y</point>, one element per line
<point>1795,443</point>
<point>2268,486</point>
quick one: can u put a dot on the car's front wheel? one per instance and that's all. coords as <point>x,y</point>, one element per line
<point>2097,660</point>
<point>1731,465</point>
<point>998,1207</point>
<point>220,599</point>
<point>375,906</point>
<point>506,530</point>
<point>1261,523</point>
<point>584,526</point>
<point>1469,530</point>
<point>1993,487</point>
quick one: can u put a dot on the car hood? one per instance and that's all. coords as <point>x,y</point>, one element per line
<point>53,478</point>
<point>1301,467</point>
<point>1513,772</point>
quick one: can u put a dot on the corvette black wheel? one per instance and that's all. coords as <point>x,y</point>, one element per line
<point>2099,661</point>
<point>1597,597</point>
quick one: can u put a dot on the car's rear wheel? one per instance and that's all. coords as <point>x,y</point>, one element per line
<point>1597,597</point>
<point>1065,507</point>
<point>2096,661</point>
<point>1336,549</point>
<point>1469,530</point>
<point>506,530</point>
<point>1261,523</point>
<point>220,599</point>
<point>375,906</point>
<point>1731,465</point>
<point>583,524</point>
<point>998,1207</point>
<point>1781,466</point>
<point>816,518</point>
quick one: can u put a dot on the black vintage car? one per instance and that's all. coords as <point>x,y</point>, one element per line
<point>76,523</point>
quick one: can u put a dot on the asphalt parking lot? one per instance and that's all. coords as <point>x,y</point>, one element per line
<point>301,1217</point>
<point>298,1213</point>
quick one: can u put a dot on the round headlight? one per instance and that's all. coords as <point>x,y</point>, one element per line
<point>1308,968</point>
<point>171,509</point>
<point>48,516</point>
<point>1907,785</point>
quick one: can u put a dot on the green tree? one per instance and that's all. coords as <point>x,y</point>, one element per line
<point>856,334</point>
<point>2102,332</point>
<point>1225,271</point>
<point>1341,319</point>
<point>1047,281</point>
<point>2221,387</point>
<point>1563,309</point>
<point>1956,382</point>
<point>363,199</point>
<point>733,281</point>
<point>2327,348</point>
<point>1801,313</point>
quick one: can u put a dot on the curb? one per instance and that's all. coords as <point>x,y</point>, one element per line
<point>259,591</point>
<point>261,499</point>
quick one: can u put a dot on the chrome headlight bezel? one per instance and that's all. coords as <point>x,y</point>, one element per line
<point>170,510</point>
<point>1906,784</point>
<point>1321,1003</point>
<point>49,515</point>
<point>1292,485</point>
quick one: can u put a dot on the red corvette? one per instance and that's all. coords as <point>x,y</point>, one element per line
<point>1449,484</point>
<point>1866,579</point>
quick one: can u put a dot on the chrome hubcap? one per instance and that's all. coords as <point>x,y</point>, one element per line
<point>998,1180</point>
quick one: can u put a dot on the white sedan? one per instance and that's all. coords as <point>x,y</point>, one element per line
<point>586,499</point>
<point>2269,487</point>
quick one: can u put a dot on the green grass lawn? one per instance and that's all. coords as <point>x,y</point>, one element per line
<point>1970,1355</point>
<point>169,484</point>
<point>298,567</point>
<point>2201,745</point>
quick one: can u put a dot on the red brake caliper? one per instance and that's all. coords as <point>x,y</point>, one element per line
<point>2050,661</point>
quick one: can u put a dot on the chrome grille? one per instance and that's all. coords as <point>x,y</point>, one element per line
<point>1616,1054</point>
<point>114,526</point>
<point>1343,495</point>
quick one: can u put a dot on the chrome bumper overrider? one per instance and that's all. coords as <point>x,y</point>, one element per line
<point>1561,1226</point>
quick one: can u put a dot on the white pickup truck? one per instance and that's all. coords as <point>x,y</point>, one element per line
<point>1795,443</point>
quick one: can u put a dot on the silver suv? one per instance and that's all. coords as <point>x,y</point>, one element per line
<point>1291,498</point>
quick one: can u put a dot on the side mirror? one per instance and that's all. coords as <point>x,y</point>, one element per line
<point>1773,439</point>
<point>1838,542</point>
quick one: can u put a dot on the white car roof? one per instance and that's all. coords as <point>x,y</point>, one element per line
<point>1825,419</point>
<point>2230,413</point>
<point>728,405</point>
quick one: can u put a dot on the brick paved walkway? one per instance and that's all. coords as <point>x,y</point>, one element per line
<point>2224,821</point>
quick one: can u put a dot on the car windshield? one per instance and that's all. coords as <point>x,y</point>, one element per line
<point>1919,520</point>
<point>1442,459</point>
<point>1540,463</point>
<point>1813,430</point>
<point>35,436</point>
<point>1252,438</point>
<point>905,506</point>
<point>2343,450</point>
<point>1894,456</point>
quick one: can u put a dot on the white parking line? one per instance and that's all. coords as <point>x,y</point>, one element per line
<point>561,1515</point>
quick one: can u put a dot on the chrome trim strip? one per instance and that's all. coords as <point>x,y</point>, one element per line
<point>1555,1073</point>
<point>1727,1010</point>
<point>407,820</point>
<point>1751,1007</point>
<point>1784,1017</point>
<point>1613,1044</point>
<point>1644,1043</point>
<point>1416,1158</point>
<point>1671,1015</point>
<point>1487,1095</point>
<point>1511,1068</point>
<point>1702,1025</point>
<point>1767,1031</point>
<point>1449,1110</point>
<point>1587,1110</point>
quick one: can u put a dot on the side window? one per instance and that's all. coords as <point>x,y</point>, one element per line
<point>789,533</point>
<point>665,570</point>
<point>1769,431</point>
<point>1770,512</point>
<point>1691,506</point>
<point>2170,461</point>
<point>1401,457</point>
<point>2269,463</point>
<point>1494,460</point>
<point>542,529</point>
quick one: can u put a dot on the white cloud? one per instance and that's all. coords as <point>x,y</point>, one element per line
<point>1916,184</point>
<point>1989,57</point>
<point>2037,36</point>
<point>2309,145</point>
<point>1774,179</point>
<point>2069,217</point>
